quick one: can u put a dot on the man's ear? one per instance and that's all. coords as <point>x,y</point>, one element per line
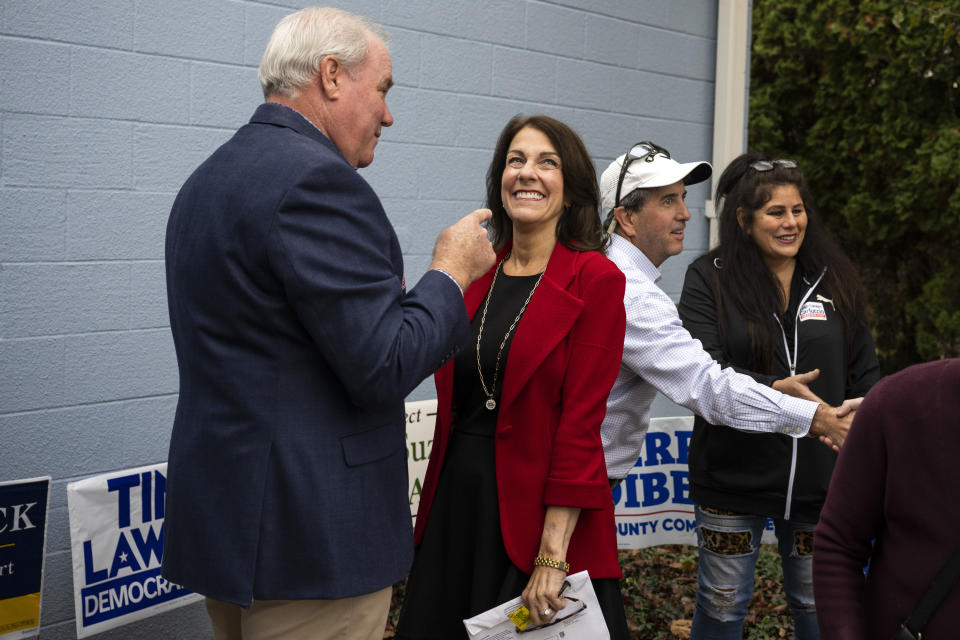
<point>330,77</point>
<point>742,220</point>
<point>625,221</point>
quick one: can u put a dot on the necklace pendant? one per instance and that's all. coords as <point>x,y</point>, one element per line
<point>490,404</point>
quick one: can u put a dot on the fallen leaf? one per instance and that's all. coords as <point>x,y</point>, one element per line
<point>680,628</point>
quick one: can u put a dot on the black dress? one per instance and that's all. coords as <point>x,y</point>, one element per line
<point>461,567</point>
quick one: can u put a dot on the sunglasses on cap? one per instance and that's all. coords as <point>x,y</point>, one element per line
<point>645,151</point>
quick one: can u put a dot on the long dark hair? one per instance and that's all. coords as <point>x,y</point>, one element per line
<point>744,277</point>
<point>579,226</point>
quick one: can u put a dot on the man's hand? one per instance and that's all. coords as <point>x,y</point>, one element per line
<point>796,386</point>
<point>829,427</point>
<point>849,406</point>
<point>463,249</point>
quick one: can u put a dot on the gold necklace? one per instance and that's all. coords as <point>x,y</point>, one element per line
<point>491,404</point>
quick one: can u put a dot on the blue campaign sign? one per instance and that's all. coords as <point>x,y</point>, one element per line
<point>23,525</point>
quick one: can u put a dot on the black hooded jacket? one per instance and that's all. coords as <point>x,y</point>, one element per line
<point>755,473</point>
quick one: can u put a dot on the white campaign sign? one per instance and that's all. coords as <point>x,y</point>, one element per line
<point>116,538</point>
<point>652,505</point>
<point>421,419</point>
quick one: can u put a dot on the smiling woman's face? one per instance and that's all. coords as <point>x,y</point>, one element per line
<point>532,182</point>
<point>778,226</point>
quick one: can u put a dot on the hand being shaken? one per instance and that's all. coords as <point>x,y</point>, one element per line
<point>830,426</point>
<point>849,405</point>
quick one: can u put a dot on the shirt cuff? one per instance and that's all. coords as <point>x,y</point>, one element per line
<point>452,279</point>
<point>796,416</point>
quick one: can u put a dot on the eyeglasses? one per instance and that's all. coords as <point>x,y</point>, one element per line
<point>581,607</point>
<point>768,165</point>
<point>645,151</point>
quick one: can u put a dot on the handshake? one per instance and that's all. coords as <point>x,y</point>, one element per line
<point>830,424</point>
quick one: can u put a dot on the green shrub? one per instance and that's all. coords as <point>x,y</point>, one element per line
<point>865,95</point>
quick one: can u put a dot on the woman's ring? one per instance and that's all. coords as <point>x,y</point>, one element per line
<point>546,611</point>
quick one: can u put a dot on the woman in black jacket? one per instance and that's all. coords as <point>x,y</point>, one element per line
<point>776,297</point>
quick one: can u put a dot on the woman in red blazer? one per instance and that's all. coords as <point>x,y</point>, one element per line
<point>516,493</point>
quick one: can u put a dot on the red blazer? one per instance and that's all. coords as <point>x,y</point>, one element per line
<point>562,363</point>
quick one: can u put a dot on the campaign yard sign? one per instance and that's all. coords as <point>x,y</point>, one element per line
<point>652,505</point>
<point>23,529</point>
<point>421,419</point>
<point>116,538</point>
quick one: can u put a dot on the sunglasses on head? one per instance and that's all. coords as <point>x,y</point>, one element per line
<point>761,166</point>
<point>768,165</point>
<point>645,151</point>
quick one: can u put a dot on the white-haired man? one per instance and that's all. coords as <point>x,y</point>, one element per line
<point>643,196</point>
<point>297,342</point>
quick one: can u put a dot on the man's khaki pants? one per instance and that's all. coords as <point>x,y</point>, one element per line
<point>357,618</point>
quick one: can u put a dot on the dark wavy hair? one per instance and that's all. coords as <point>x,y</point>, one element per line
<point>579,226</point>
<point>744,277</point>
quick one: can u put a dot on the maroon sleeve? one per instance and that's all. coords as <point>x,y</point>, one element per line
<point>850,520</point>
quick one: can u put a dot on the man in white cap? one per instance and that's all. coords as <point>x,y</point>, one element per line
<point>642,194</point>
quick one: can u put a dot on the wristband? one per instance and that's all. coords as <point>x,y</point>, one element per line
<point>541,561</point>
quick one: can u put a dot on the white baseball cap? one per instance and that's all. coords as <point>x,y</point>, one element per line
<point>656,169</point>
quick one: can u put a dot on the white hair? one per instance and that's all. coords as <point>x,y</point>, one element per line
<point>301,40</point>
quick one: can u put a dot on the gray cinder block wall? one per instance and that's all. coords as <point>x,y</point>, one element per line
<point>107,105</point>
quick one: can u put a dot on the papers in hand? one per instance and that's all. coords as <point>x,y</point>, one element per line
<point>580,619</point>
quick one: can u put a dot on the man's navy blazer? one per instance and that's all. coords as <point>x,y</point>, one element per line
<point>297,344</point>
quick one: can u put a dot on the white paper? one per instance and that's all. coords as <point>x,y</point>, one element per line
<point>588,624</point>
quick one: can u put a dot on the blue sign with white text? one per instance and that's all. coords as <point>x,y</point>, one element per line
<point>23,524</point>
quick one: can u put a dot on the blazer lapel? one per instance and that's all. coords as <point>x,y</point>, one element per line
<point>549,317</point>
